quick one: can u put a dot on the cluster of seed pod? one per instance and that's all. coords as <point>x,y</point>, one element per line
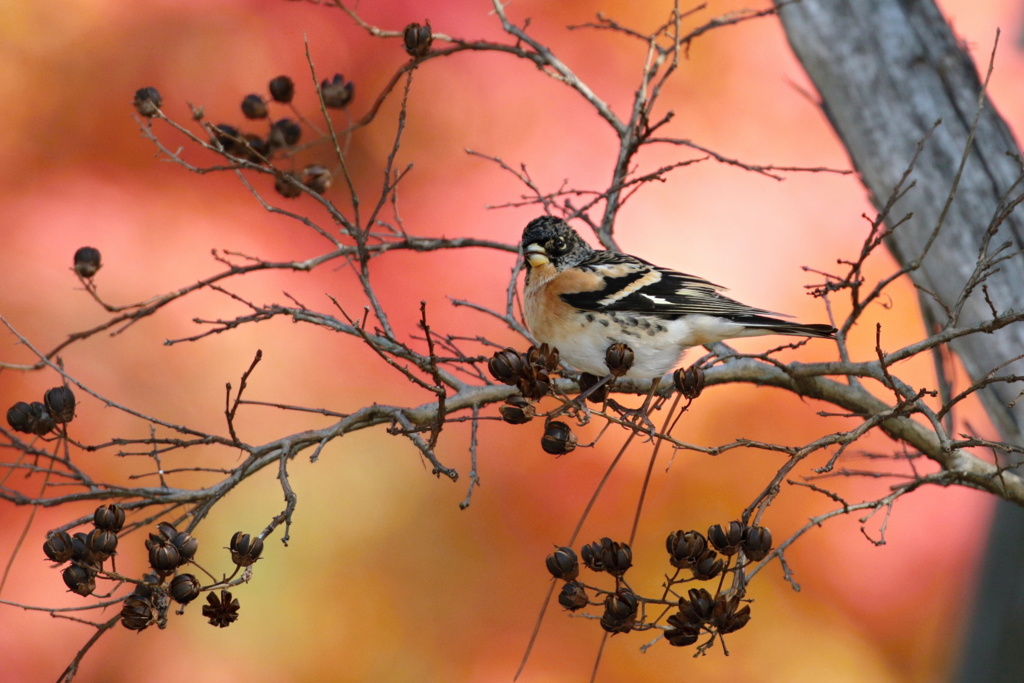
<point>530,373</point>
<point>169,551</point>
<point>283,134</point>
<point>694,556</point>
<point>42,417</point>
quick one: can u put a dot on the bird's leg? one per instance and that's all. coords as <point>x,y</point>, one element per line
<point>590,386</point>
<point>639,415</point>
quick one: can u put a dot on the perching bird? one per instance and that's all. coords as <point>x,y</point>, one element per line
<point>582,301</point>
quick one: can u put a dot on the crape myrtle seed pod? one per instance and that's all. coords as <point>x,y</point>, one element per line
<point>60,403</point>
<point>619,359</point>
<point>697,607</point>
<point>684,547</point>
<point>254,107</point>
<point>102,543</point>
<point>707,566</point>
<point>598,395</point>
<point>757,542</point>
<point>79,579</point>
<point>287,185</point>
<point>689,381</point>
<point>563,564</point>
<point>316,178</point>
<point>138,612</point>
<point>726,540</point>
<point>506,366</point>
<point>533,383</point>
<point>21,418</point>
<point>619,612</point>
<point>57,547</point>
<point>573,596</point>
<point>417,39</point>
<point>221,610</point>
<point>109,517</point>
<point>163,555</point>
<point>229,138</point>
<point>517,410</point>
<point>282,89</point>
<point>184,588</point>
<point>87,261</point>
<point>42,421</point>
<point>682,632</point>
<point>245,550</point>
<point>187,545</point>
<point>544,357</point>
<point>336,91</point>
<point>284,133</point>
<point>558,438</point>
<point>728,616</point>
<point>616,558</point>
<point>147,101</point>
<point>593,554</point>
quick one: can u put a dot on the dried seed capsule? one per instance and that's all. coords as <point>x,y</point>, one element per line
<point>58,547</point>
<point>60,403</point>
<point>573,596</point>
<point>689,382</point>
<point>619,359</point>
<point>684,547</point>
<point>186,544</point>
<point>282,89</point>
<point>184,588</point>
<point>138,611</point>
<point>22,418</point>
<point>79,579</point>
<point>229,138</point>
<point>245,550</point>
<point>543,357</point>
<point>80,552</point>
<point>619,611</point>
<point>316,178</point>
<point>222,610</point>
<point>728,616</point>
<point>517,410</point>
<point>533,383</point>
<point>287,185</point>
<point>616,558</point>
<point>707,566</point>
<point>563,564</point>
<point>254,107</point>
<point>87,262</point>
<point>102,543</point>
<point>593,554</point>
<point>284,133</point>
<point>163,555</point>
<point>337,93</point>
<point>109,517</point>
<point>147,101</point>
<point>417,39</point>
<point>42,421</point>
<point>726,541</point>
<point>587,382</point>
<point>682,632</point>
<point>698,607</point>
<point>757,542</point>
<point>558,438</point>
<point>506,366</point>
<point>256,148</point>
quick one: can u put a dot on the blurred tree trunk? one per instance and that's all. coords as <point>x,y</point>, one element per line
<point>887,71</point>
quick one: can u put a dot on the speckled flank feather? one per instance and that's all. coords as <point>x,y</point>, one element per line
<point>582,301</point>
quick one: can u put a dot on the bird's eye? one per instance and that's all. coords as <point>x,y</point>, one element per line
<point>558,245</point>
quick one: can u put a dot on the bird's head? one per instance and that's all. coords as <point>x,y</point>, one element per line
<point>550,240</point>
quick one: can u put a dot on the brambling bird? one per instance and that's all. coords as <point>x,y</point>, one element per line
<point>582,301</point>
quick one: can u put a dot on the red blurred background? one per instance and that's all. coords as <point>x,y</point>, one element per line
<point>385,578</point>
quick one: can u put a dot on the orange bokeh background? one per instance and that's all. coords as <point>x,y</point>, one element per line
<point>384,577</point>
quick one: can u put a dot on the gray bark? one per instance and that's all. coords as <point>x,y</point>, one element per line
<point>887,71</point>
